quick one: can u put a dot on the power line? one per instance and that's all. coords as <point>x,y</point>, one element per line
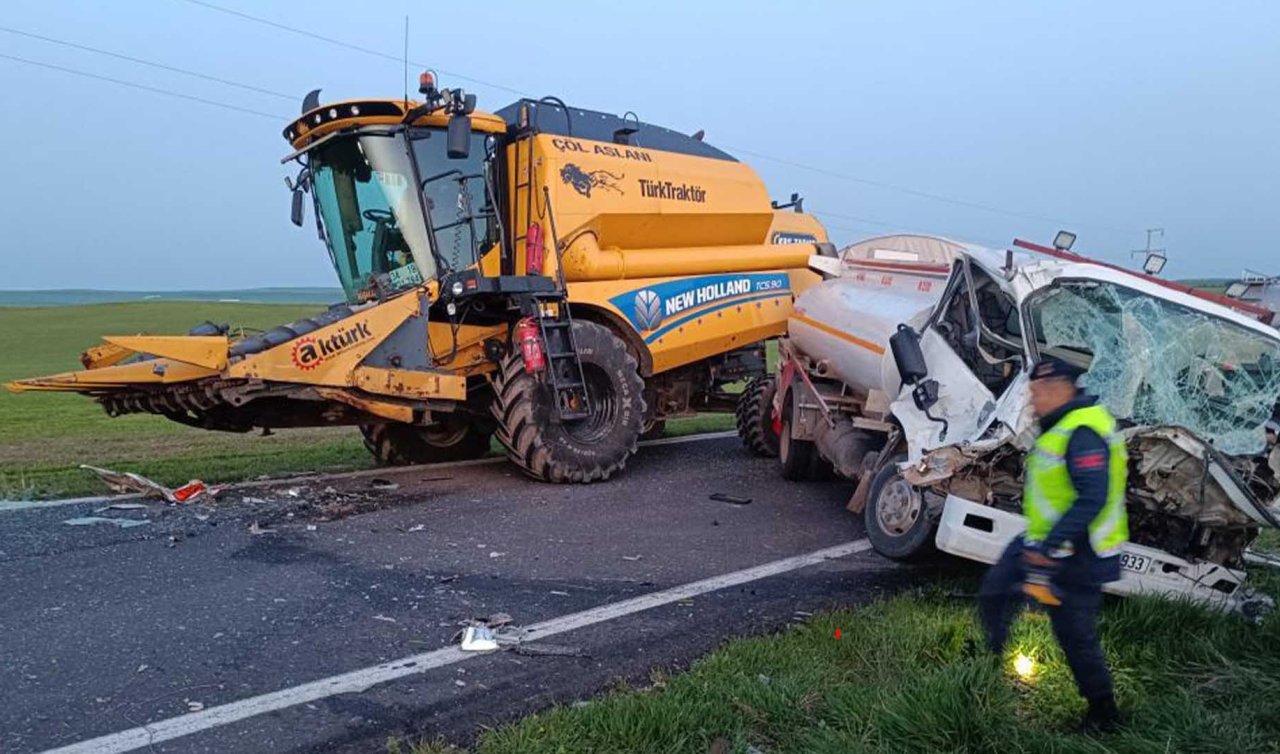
<point>882,185</point>
<point>855,218</point>
<point>151,63</point>
<point>146,88</point>
<point>915,192</point>
<point>347,45</point>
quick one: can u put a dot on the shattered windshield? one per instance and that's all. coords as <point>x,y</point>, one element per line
<point>1155,362</point>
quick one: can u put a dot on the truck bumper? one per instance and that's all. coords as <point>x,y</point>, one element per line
<point>979,532</point>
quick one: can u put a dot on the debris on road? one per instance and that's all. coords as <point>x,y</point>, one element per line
<point>194,706</point>
<point>128,482</point>
<point>255,529</point>
<point>384,618</point>
<point>123,523</point>
<point>120,507</point>
<point>383,484</point>
<point>478,639</point>
<point>721,497</point>
<point>497,620</point>
<point>541,649</point>
<point>632,558</point>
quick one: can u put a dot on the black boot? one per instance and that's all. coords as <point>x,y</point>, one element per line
<point>1102,717</point>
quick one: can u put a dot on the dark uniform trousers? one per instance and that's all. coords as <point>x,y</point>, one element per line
<point>1074,622</point>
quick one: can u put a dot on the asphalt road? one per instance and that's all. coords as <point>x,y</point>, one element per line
<point>105,629</point>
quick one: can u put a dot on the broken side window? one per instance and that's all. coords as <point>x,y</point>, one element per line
<point>980,322</point>
<point>1154,362</point>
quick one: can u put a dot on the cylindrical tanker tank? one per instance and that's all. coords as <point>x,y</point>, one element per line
<point>844,323</point>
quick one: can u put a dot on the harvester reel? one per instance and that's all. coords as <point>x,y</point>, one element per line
<point>577,450</point>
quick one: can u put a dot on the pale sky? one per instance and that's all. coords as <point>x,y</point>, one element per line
<point>1106,118</point>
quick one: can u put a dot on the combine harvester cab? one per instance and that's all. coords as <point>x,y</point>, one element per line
<point>906,370</point>
<point>561,279</point>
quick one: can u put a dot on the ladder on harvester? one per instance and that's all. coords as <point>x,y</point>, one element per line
<point>564,373</point>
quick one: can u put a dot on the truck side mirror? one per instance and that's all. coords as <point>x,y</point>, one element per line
<point>298,211</point>
<point>458,138</point>
<point>907,355</point>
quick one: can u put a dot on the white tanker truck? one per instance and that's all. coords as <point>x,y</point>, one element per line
<point>906,371</point>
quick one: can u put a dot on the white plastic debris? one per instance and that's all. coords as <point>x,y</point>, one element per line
<point>478,639</point>
<point>125,481</point>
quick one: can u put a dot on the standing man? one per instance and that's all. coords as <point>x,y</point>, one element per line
<point>1073,501</point>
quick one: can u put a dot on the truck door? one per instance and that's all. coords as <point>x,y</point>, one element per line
<point>972,345</point>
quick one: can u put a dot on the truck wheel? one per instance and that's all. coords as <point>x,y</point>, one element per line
<point>896,517</point>
<point>754,414</point>
<point>580,450</point>
<point>454,439</point>
<point>799,458</point>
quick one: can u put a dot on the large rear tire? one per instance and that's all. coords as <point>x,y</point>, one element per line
<point>896,516</point>
<point>580,450</point>
<point>454,439</point>
<point>754,415</point>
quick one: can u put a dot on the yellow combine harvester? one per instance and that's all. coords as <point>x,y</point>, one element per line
<point>563,278</point>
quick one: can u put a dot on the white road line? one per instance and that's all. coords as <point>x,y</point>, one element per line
<point>7,506</point>
<point>357,681</point>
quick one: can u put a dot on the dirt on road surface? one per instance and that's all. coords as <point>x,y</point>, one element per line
<point>109,629</point>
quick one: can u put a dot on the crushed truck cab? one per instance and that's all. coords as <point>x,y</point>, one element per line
<point>906,369</point>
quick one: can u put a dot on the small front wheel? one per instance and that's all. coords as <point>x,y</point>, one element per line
<point>456,438</point>
<point>896,516</point>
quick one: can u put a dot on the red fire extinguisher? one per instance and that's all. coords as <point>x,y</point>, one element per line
<point>533,249</point>
<point>530,340</point>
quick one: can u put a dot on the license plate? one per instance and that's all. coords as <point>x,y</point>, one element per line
<point>1135,563</point>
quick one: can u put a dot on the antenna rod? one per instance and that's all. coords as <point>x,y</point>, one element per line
<point>406,62</point>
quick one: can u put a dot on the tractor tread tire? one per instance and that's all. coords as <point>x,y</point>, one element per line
<point>543,449</point>
<point>754,417</point>
<point>395,444</point>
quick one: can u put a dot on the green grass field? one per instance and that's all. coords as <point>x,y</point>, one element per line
<point>910,674</point>
<point>45,436</point>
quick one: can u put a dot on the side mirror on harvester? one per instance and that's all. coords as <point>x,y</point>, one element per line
<point>907,355</point>
<point>458,138</point>
<point>298,210</point>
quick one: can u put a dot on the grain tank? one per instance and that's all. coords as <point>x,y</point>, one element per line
<point>881,283</point>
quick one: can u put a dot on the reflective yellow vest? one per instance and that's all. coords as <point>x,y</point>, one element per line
<point>1048,493</point>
